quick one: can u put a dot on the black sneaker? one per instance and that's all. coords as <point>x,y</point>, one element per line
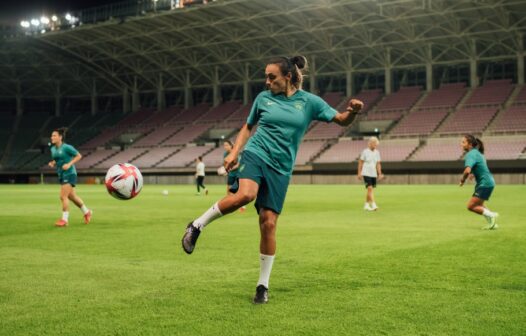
<point>261,295</point>
<point>190,238</point>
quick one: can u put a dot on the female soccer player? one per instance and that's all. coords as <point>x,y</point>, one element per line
<point>475,163</point>
<point>369,169</point>
<point>283,114</point>
<point>64,157</point>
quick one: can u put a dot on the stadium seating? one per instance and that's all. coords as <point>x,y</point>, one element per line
<point>214,158</point>
<point>186,156</point>
<point>394,105</point>
<point>188,134</point>
<point>343,151</point>
<point>504,148</point>
<point>191,114</point>
<point>513,119</point>
<point>95,157</point>
<point>220,112</point>
<point>447,96</point>
<point>439,149</point>
<point>492,92</point>
<point>158,136</point>
<point>468,120</point>
<point>124,156</point>
<point>307,150</point>
<point>154,156</point>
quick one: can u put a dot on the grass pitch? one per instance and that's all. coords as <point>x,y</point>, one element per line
<point>419,266</point>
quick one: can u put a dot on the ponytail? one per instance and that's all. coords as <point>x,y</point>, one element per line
<point>475,142</point>
<point>62,132</point>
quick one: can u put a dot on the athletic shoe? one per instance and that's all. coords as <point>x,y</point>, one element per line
<point>261,295</point>
<point>374,208</point>
<point>87,217</point>
<point>61,223</point>
<point>190,238</point>
<point>198,194</point>
<point>367,207</point>
<point>493,223</point>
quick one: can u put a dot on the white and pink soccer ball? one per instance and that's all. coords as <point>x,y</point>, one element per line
<point>123,181</point>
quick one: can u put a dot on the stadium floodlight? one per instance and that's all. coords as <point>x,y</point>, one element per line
<point>42,31</point>
<point>44,20</point>
<point>68,17</point>
<point>54,18</point>
<point>35,22</point>
<point>25,24</point>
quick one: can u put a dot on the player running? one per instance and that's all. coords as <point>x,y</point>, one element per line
<point>64,158</point>
<point>283,114</point>
<point>475,163</point>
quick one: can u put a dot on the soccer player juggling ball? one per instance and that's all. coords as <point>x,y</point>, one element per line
<point>283,113</point>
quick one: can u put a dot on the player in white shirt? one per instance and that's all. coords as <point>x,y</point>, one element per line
<point>200,175</point>
<point>370,169</point>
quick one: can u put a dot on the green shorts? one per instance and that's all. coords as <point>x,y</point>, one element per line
<point>483,192</point>
<point>68,179</point>
<point>272,185</point>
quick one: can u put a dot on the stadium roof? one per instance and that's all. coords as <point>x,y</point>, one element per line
<point>228,41</point>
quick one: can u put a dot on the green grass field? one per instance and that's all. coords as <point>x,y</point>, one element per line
<point>419,266</point>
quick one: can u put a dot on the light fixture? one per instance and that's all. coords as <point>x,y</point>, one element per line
<point>44,20</point>
<point>35,22</point>
<point>25,24</point>
<point>54,18</point>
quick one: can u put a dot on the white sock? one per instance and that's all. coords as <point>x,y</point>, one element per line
<point>265,267</point>
<point>84,209</point>
<point>488,213</point>
<point>210,215</point>
<point>65,215</point>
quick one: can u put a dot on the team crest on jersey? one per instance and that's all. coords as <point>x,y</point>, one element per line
<point>299,106</point>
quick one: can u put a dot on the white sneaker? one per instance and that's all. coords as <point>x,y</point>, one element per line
<point>492,222</point>
<point>374,208</point>
<point>367,207</point>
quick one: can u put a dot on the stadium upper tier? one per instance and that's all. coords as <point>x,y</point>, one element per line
<point>428,128</point>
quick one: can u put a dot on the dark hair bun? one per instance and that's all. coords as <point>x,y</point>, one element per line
<point>299,61</point>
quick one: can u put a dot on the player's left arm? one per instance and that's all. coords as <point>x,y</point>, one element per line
<point>347,117</point>
<point>379,170</point>
<point>465,175</point>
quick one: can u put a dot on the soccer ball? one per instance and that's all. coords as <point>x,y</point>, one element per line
<point>123,181</point>
<point>221,171</point>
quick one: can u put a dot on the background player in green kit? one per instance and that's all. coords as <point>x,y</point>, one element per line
<point>475,164</point>
<point>283,114</point>
<point>64,157</point>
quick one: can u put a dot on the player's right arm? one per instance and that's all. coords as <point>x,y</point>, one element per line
<point>52,163</point>
<point>242,138</point>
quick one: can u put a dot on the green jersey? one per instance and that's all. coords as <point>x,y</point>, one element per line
<point>479,168</point>
<point>282,123</point>
<point>62,155</point>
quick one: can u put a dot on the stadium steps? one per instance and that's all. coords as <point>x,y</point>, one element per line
<point>513,95</point>
<point>422,144</point>
<point>405,114</point>
<point>177,150</point>
<point>452,112</point>
<point>325,147</point>
<point>487,129</point>
<point>203,155</point>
